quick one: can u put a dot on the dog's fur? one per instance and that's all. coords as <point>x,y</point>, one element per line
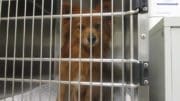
<point>73,44</point>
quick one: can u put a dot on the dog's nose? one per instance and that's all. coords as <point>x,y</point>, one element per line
<point>92,39</point>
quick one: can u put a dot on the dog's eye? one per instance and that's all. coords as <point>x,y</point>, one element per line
<point>81,26</point>
<point>97,26</point>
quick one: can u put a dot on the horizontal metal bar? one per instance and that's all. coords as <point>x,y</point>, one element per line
<point>73,15</point>
<point>104,84</point>
<point>72,59</point>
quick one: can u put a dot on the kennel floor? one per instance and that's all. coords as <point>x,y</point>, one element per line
<point>47,93</point>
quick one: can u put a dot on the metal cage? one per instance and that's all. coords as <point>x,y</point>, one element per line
<point>31,41</point>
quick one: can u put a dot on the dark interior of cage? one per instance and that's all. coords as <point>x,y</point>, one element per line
<point>20,64</point>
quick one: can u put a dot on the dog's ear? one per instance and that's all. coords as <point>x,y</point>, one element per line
<point>106,7</point>
<point>68,8</point>
<point>65,8</point>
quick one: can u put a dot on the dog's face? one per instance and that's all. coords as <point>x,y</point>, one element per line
<point>88,32</point>
<point>91,33</point>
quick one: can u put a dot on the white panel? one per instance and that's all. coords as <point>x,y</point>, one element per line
<point>168,63</point>
<point>171,21</point>
<point>176,63</point>
<point>166,8</point>
<point>157,62</point>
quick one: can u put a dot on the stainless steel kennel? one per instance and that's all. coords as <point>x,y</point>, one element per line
<point>30,42</point>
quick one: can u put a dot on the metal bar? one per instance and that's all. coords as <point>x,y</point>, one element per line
<point>50,49</point>
<point>0,10</point>
<point>101,54</point>
<point>131,42</point>
<point>70,50</point>
<point>70,59</point>
<point>6,50</point>
<point>74,59</point>
<point>112,49</point>
<point>91,56</point>
<point>131,49</point>
<point>60,44</point>
<point>41,47</point>
<point>23,51</point>
<point>123,50</point>
<point>32,49</point>
<point>39,6</point>
<point>14,52</point>
<point>80,48</point>
<point>105,84</point>
<point>75,15</point>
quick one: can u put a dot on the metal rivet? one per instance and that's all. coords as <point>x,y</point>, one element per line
<point>145,9</point>
<point>146,82</point>
<point>143,36</point>
<point>146,65</point>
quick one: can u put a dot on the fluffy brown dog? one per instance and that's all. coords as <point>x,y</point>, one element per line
<point>90,43</point>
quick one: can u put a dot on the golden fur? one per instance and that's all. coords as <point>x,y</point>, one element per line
<point>73,46</point>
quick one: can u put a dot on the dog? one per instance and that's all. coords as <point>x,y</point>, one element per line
<point>84,40</point>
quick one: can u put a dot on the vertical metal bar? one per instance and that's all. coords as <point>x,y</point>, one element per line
<point>41,47</point>
<point>50,49</point>
<point>91,56</point>
<point>112,49</point>
<point>60,43</point>
<point>101,56</point>
<point>6,53</point>
<point>0,9</point>
<point>122,45</point>
<point>131,48</point>
<point>32,48</point>
<point>131,42</point>
<point>14,53</point>
<point>69,93</point>
<point>23,51</point>
<point>80,47</point>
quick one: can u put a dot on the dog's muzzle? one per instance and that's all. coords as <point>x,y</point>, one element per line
<point>92,40</point>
